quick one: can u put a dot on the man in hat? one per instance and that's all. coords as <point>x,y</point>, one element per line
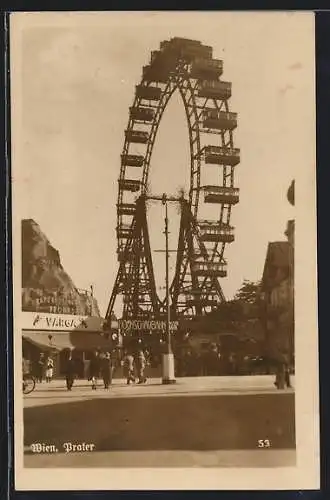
<point>70,372</point>
<point>106,370</point>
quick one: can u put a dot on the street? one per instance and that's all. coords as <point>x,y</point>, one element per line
<point>207,421</point>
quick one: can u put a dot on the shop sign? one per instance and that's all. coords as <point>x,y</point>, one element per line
<point>60,322</point>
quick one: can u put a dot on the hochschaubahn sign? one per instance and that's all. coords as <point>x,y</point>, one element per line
<point>136,324</point>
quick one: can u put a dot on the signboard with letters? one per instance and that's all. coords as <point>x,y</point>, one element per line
<point>60,322</point>
<point>127,325</point>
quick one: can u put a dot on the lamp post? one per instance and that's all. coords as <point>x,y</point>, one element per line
<point>168,374</point>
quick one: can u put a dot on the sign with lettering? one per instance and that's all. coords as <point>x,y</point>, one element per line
<point>127,325</point>
<point>60,322</point>
<point>56,301</point>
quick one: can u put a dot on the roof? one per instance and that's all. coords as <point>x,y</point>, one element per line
<point>277,259</point>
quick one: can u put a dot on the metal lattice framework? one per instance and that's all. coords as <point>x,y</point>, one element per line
<point>186,66</point>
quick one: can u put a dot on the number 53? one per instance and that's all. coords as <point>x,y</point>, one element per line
<point>264,443</point>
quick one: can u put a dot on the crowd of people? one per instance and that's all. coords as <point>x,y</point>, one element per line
<point>103,366</point>
<point>133,363</point>
<point>42,368</point>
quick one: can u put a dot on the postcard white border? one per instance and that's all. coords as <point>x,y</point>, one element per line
<point>306,473</point>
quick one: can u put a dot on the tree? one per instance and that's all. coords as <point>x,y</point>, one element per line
<point>249,292</point>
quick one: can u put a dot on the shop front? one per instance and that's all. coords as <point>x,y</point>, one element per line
<point>58,336</point>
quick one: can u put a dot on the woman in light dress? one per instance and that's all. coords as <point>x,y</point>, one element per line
<point>49,369</point>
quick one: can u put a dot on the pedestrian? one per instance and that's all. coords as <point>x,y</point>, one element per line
<point>40,367</point>
<point>25,370</point>
<point>49,369</point>
<point>70,373</point>
<point>287,372</point>
<point>129,368</point>
<point>141,365</point>
<point>106,370</point>
<point>26,366</point>
<point>94,370</point>
<point>287,377</point>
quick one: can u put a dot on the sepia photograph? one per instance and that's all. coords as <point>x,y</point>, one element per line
<point>164,250</point>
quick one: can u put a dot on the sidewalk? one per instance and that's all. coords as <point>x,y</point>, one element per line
<point>56,392</point>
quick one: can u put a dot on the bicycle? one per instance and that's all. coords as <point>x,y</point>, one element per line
<point>29,384</point>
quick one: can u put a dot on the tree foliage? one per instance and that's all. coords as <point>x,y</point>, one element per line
<point>249,292</point>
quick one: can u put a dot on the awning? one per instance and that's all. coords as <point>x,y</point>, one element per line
<point>67,340</point>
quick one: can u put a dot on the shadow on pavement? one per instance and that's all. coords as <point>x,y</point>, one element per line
<point>171,423</point>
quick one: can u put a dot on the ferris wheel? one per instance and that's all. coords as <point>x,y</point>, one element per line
<point>186,66</point>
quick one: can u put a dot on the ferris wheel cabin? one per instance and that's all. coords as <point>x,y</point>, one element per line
<point>124,230</point>
<point>219,120</point>
<point>164,61</point>
<point>218,269</point>
<point>142,114</point>
<point>129,185</point>
<point>217,155</point>
<point>151,74</point>
<point>132,160</point>
<point>126,208</point>
<point>206,68</point>
<point>197,299</point>
<point>149,92</point>
<point>213,232</point>
<point>214,89</point>
<point>221,194</point>
<point>185,48</point>
<point>137,136</point>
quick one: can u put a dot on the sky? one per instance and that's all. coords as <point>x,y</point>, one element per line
<point>77,80</point>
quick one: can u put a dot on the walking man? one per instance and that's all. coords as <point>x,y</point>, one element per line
<point>141,365</point>
<point>106,370</point>
<point>70,373</point>
<point>40,367</point>
<point>129,368</point>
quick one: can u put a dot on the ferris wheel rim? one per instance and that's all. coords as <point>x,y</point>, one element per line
<point>180,80</point>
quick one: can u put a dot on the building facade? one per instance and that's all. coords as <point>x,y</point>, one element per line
<point>278,294</point>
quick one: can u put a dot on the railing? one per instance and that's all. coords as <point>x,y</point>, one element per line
<point>202,298</point>
<point>214,114</point>
<point>216,229</point>
<point>132,160</point>
<point>211,64</point>
<point>221,190</point>
<point>141,113</point>
<point>220,90</point>
<point>220,151</point>
<point>137,136</point>
<point>209,266</point>
<point>148,92</point>
<point>129,184</point>
<point>215,84</point>
<point>124,230</point>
